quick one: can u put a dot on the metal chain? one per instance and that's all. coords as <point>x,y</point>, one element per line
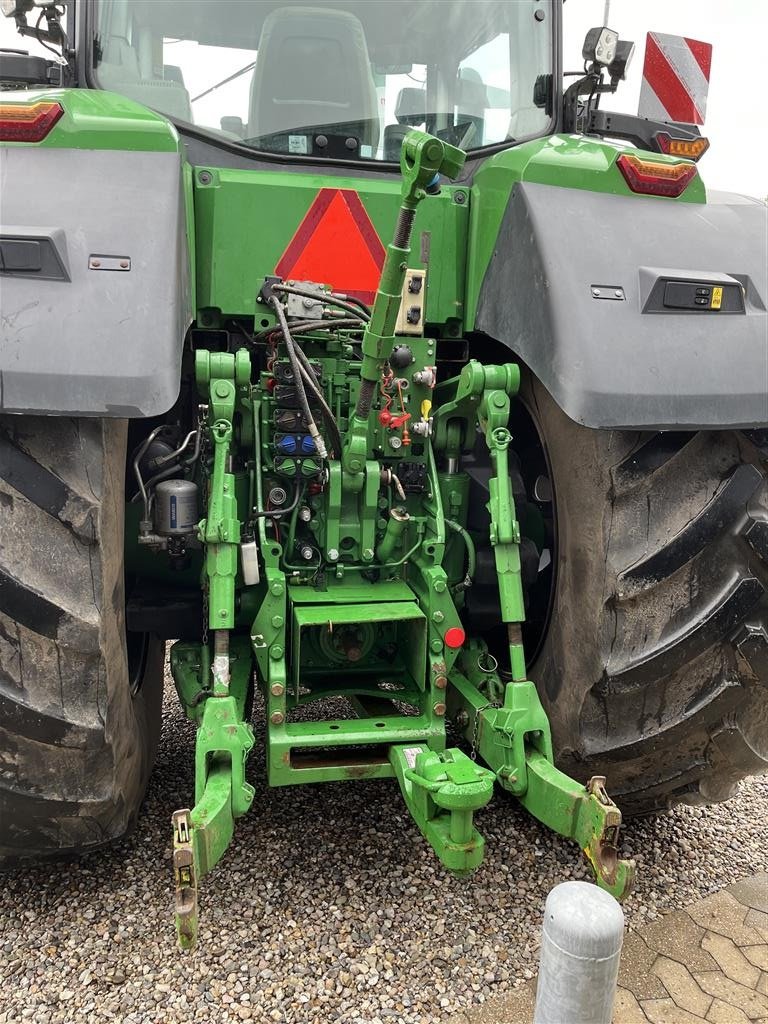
<point>476,726</point>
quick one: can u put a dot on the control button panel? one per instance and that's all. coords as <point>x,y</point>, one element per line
<point>691,296</point>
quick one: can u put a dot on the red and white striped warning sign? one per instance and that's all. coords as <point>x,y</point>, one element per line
<point>675,78</point>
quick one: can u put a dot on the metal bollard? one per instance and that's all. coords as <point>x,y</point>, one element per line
<point>580,950</point>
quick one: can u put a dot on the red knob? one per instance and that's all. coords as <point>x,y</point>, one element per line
<point>455,637</point>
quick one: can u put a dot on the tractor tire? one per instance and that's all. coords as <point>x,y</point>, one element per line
<point>654,666</point>
<point>80,701</point>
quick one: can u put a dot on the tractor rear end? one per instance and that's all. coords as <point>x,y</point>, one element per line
<point>399,499</point>
<point>350,525</point>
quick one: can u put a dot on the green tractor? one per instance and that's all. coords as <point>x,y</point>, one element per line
<point>421,402</point>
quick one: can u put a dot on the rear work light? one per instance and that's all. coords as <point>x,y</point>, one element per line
<point>28,122</point>
<point>654,179</point>
<point>690,149</point>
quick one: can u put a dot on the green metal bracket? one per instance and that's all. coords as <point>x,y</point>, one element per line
<point>222,731</point>
<point>442,792</point>
<point>218,702</point>
<point>193,685</point>
<point>219,375</point>
<point>515,741</point>
<point>482,394</point>
<point>515,738</point>
<point>202,835</point>
<point>222,794</point>
<point>457,404</point>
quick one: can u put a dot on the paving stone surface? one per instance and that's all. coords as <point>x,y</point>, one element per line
<point>706,963</point>
<point>757,955</point>
<point>636,970</point>
<point>752,892</point>
<point>681,987</point>
<point>731,960</point>
<point>677,936</point>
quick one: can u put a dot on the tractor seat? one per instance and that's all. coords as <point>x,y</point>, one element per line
<point>312,74</point>
<point>410,112</point>
<point>119,72</point>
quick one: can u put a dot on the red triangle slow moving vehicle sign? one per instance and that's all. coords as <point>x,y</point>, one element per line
<point>335,244</point>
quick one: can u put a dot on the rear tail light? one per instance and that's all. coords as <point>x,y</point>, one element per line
<point>649,178</point>
<point>690,149</point>
<point>28,122</point>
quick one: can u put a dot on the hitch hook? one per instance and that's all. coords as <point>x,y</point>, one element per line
<point>185,879</point>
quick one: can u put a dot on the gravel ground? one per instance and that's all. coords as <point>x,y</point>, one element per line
<point>329,907</point>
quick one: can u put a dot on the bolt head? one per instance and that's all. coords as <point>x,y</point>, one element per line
<point>368,555</point>
<point>277,589</point>
<point>439,709</point>
<point>441,682</point>
<point>333,555</point>
<point>277,718</point>
<point>439,586</point>
<point>277,621</point>
<point>437,616</point>
<point>276,652</point>
<point>277,690</point>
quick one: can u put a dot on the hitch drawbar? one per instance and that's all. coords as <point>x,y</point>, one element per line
<point>355,585</point>
<point>442,792</point>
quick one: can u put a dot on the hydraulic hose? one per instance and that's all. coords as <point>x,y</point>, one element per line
<point>277,513</point>
<point>309,326</point>
<point>469,544</point>
<point>330,419</point>
<point>355,302</point>
<point>298,379</point>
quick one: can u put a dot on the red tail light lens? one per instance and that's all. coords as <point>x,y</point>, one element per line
<point>649,178</point>
<point>690,149</point>
<point>28,122</point>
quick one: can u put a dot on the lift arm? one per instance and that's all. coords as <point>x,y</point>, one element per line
<point>514,739</point>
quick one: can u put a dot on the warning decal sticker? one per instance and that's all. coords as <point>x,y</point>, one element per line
<point>335,244</point>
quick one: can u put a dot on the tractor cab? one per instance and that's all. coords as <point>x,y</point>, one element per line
<point>343,80</point>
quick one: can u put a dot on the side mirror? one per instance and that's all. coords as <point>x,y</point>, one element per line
<point>600,45</point>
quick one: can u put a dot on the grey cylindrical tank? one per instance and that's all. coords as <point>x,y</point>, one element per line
<point>580,951</point>
<point>176,511</point>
